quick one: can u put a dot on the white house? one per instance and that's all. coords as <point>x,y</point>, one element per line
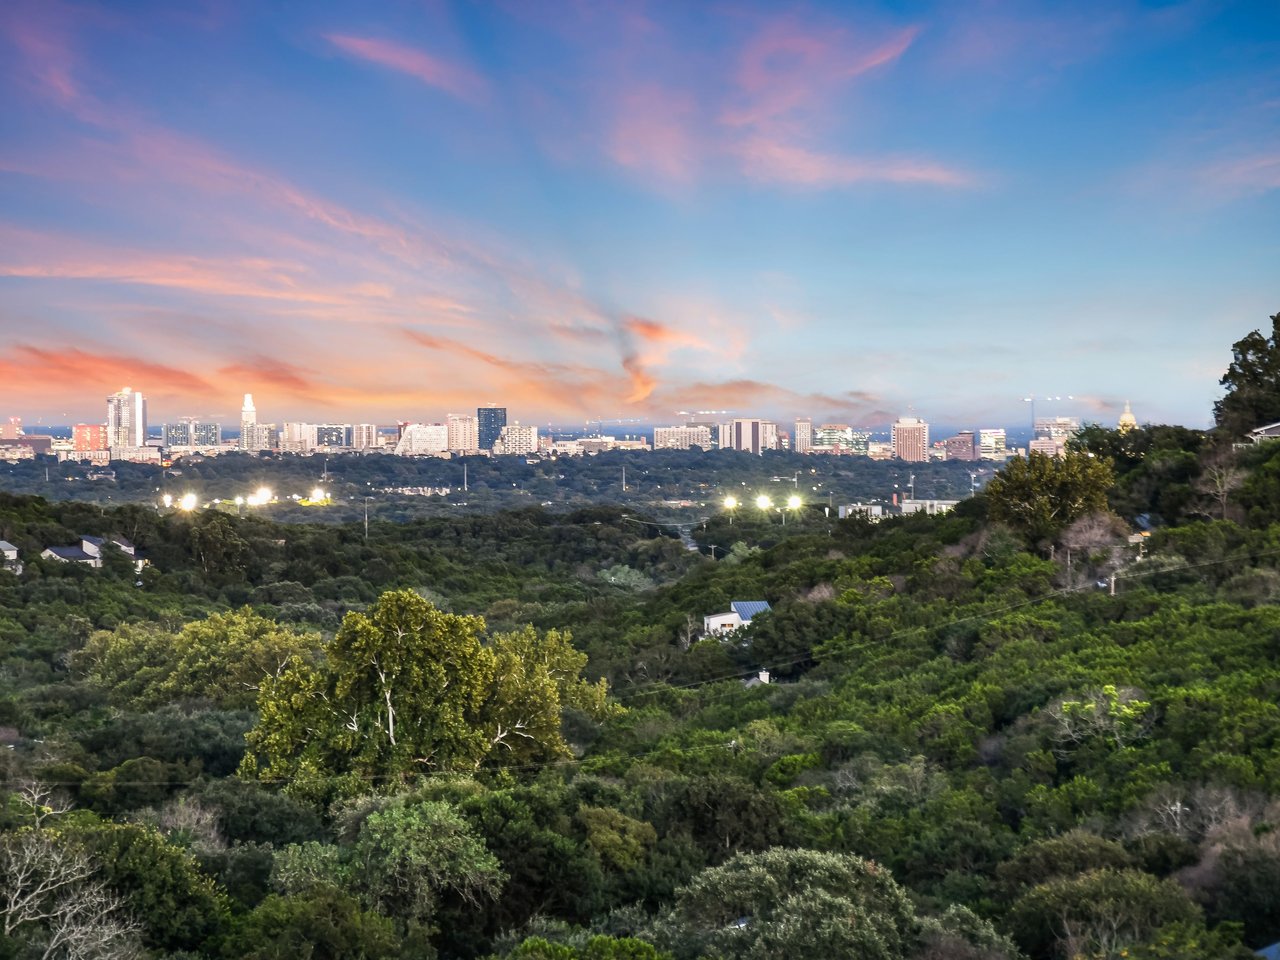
<point>90,551</point>
<point>739,615</point>
<point>9,557</point>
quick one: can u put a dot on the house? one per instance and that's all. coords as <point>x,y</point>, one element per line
<point>739,615</point>
<point>9,557</point>
<point>90,551</point>
<point>759,680</point>
<point>1269,431</point>
<point>74,554</point>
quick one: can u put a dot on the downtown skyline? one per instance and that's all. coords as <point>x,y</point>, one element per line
<point>842,211</point>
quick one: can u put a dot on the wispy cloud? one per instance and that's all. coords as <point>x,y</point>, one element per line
<point>434,71</point>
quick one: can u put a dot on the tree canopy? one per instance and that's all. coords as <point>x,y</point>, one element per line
<point>1252,382</point>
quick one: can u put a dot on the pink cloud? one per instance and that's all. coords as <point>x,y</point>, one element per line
<point>1253,174</point>
<point>654,132</point>
<point>463,83</point>
<point>779,162</point>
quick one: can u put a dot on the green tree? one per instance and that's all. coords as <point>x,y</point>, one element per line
<point>1100,912</point>
<point>535,676</point>
<point>407,689</point>
<point>322,925</point>
<point>401,691</point>
<point>795,903</point>
<point>1039,496</point>
<point>1252,383</point>
<point>409,855</point>
<point>223,658</point>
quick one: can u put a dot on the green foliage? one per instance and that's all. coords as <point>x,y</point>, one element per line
<point>1099,912</point>
<point>408,856</point>
<point>1040,496</point>
<point>223,658</point>
<point>791,903</point>
<point>179,907</point>
<point>1252,382</point>
<point>406,690</point>
<point>323,925</point>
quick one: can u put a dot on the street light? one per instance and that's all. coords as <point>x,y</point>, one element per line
<point>239,504</point>
<point>188,502</point>
<point>763,502</point>
<point>730,503</point>
<point>168,501</point>
<point>317,495</point>
<point>793,503</point>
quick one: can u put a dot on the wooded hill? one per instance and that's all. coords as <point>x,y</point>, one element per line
<point>288,740</point>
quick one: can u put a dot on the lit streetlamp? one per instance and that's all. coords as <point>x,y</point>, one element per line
<point>730,504</point>
<point>764,503</point>
<point>793,503</point>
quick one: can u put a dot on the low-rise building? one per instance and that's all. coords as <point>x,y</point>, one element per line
<point>740,614</point>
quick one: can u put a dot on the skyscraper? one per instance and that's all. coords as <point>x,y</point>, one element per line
<point>992,444</point>
<point>910,438</point>
<point>804,436</point>
<point>490,421</point>
<point>126,420</point>
<point>250,439</point>
<point>464,432</point>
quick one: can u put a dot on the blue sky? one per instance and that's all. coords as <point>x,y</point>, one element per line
<point>394,211</point>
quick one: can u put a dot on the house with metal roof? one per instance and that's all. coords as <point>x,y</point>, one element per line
<point>740,614</point>
<point>9,557</point>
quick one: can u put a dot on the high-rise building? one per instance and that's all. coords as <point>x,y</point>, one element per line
<point>333,435</point>
<point>464,432</point>
<point>682,438</point>
<point>910,439</point>
<point>422,440</point>
<point>126,420</point>
<point>750,435</point>
<point>992,444</point>
<point>489,423</point>
<point>963,446</point>
<point>190,432</point>
<point>89,437</point>
<point>803,436</point>
<point>364,436</point>
<point>251,436</point>
<point>515,439</point>
<point>11,429</point>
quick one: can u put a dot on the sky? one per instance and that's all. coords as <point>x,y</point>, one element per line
<point>585,211</point>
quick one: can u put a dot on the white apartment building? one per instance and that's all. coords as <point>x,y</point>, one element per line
<point>517,439</point>
<point>803,439</point>
<point>682,438</point>
<point>464,432</point>
<point>423,440</point>
<point>126,420</point>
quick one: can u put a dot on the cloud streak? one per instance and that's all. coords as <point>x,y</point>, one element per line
<point>436,72</point>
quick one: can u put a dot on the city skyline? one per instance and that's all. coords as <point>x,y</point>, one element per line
<point>841,211</point>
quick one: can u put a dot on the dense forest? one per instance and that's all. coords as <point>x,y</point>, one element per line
<point>1043,726</point>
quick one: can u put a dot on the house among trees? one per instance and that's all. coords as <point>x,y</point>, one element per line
<point>89,551</point>
<point>739,615</point>
<point>1270,431</point>
<point>9,557</point>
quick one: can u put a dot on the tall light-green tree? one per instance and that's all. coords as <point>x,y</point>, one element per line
<point>405,690</point>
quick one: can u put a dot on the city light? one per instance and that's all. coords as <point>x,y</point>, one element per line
<point>763,502</point>
<point>730,502</point>
<point>168,501</point>
<point>264,494</point>
<point>793,502</point>
<point>188,502</point>
<point>317,495</point>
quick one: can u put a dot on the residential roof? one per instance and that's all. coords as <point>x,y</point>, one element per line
<point>96,541</point>
<point>7,547</point>
<point>747,609</point>
<point>1270,953</point>
<point>70,553</point>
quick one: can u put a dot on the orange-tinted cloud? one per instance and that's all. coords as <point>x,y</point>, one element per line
<point>434,71</point>
<point>25,368</point>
